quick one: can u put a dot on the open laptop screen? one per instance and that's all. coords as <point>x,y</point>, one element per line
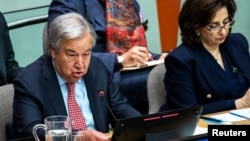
<point>161,126</point>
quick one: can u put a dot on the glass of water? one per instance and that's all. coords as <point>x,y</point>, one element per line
<point>57,128</point>
<point>78,136</point>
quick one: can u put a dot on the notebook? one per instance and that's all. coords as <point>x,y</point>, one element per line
<point>161,126</point>
<point>244,113</point>
<point>147,64</point>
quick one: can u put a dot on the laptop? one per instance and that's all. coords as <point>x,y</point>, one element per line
<point>161,126</point>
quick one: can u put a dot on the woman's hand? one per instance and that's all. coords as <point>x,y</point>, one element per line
<point>244,101</point>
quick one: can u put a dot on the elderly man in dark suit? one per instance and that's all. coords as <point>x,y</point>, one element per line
<point>9,67</point>
<point>41,88</point>
<point>133,84</point>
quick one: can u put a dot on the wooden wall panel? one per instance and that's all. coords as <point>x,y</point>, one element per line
<point>168,11</point>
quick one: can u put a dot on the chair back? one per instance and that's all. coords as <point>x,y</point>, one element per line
<point>45,39</point>
<point>155,88</point>
<point>6,100</point>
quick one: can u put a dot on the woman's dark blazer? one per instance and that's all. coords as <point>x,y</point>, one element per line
<point>191,78</point>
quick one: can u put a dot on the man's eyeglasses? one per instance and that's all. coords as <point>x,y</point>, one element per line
<point>215,27</point>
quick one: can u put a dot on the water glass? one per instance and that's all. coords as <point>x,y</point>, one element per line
<point>57,128</point>
<point>77,136</point>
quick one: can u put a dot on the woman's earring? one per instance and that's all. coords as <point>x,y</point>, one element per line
<point>198,33</point>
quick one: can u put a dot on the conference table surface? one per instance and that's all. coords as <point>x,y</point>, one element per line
<point>201,123</point>
<point>204,124</point>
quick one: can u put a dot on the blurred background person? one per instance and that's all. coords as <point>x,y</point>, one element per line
<point>9,67</point>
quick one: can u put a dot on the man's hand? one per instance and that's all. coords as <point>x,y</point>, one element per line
<point>93,135</point>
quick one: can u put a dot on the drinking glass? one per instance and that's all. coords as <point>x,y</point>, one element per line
<point>77,136</point>
<point>57,128</point>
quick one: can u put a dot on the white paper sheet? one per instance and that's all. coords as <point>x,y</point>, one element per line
<point>200,130</point>
<point>245,113</point>
<point>148,64</point>
<point>227,117</point>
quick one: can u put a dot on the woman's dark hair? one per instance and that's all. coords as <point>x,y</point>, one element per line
<point>198,13</point>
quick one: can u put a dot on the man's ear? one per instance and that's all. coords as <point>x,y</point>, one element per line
<point>51,51</point>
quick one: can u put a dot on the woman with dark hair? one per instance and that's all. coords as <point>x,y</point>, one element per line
<point>212,65</point>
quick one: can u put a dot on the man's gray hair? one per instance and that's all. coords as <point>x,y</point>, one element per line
<point>69,26</point>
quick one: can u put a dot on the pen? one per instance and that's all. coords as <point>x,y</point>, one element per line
<point>242,116</point>
<point>151,59</point>
<point>211,119</point>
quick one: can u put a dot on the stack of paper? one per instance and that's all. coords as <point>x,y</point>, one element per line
<point>227,118</point>
<point>244,113</point>
<point>147,64</point>
<point>232,116</point>
<point>200,130</point>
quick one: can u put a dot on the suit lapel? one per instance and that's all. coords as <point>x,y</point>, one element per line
<point>233,51</point>
<point>92,91</point>
<point>52,87</point>
<point>208,70</point>
<point>95,100</point>
<point>242,62</point>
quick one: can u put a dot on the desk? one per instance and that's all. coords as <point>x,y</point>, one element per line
<point>202,128</point>
<point>202,123</point>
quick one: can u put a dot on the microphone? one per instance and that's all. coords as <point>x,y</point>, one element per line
<point>101,94</point>
<point>235,70</point>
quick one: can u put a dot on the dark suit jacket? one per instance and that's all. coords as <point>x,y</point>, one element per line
<point>8,65</point>
<point>192,79</point>
<point>38,95</point>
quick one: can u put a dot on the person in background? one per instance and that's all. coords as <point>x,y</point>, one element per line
<point>41,88</point>
<point>9,67</point>
<point>108,18</point>
<point>211,65</point>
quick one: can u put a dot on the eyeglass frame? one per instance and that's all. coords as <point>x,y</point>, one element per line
<point>229,24</point>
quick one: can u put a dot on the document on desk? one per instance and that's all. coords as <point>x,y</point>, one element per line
<point>200,130</point>
<point>147,64</point>
<point>224,118</point>
<point>244,113</point>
